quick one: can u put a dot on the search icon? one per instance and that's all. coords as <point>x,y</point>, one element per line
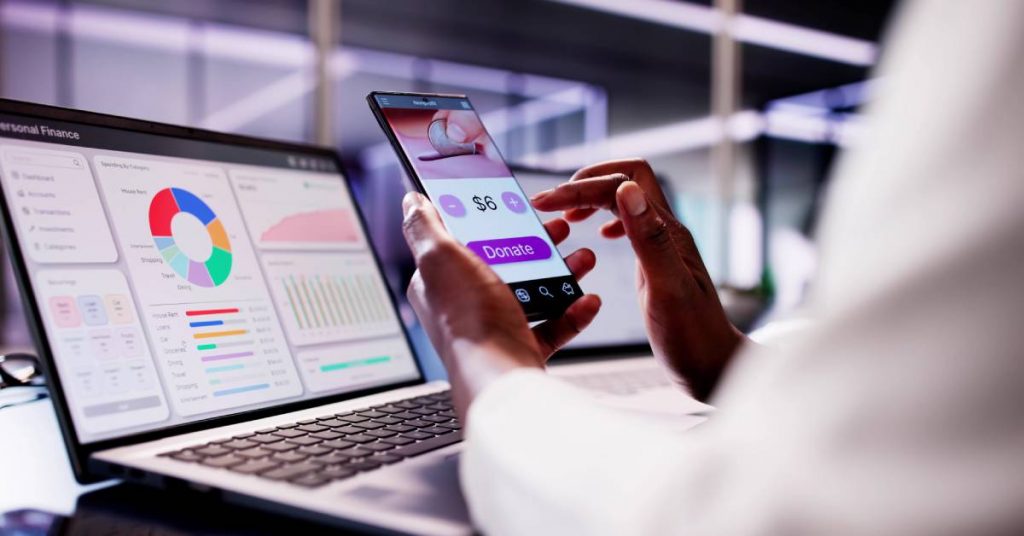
<point>545,292</point>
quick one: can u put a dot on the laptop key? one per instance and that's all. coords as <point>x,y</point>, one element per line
<point>186,456</point>
<point>370,425</point>
<point>227,460</point>
<point>378,447</point>
<point>266,438</point>
<point>270,430</point>
<point>327,434</point>
<point>388,409</point>
<point>405,415</point>
<point>337,473</point>
<point>314,450</point>
<point>312,428</point>
<point>400,428</point>
<point>254,453</point>
<point>290,471</point>
<point>212,450</point>
<point>423,411</point>
<point>338,444</point>
<point>381,433</point>
<point>448,413</point>
<point>331,459</point>
<point>372,414</point>
<point>436,430</point>
<point>353,418</point>
<point>451,425</point>
<point>348,429</point>
<point>356,452</point>
<point>418,423</point>
<point>436,418</point>
<point>360,438</point>
<point>289,457</point>
<point>331,423</point>
<point>290,433</point>
<point>405,404</point>
<point>239,444</point>
<point>287,426</point>
<point>365,465</point>
<point>398,441</point>
<point>307,421</point>
<point>386,458</point>
<point>417,435</point>
<point>428,445</point>
<point>310,481</point>
<point>280,447</point>
<point>254,467</point>
<point>243,436</point>
<point>387,420</point>
<point>305,441</point>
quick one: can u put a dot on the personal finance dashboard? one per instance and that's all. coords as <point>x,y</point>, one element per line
<point>177,289</point>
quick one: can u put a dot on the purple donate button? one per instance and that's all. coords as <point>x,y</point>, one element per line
<point>506,250</point>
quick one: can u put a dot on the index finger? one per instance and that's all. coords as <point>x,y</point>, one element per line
<point>591,193</point>
<point>421,225</point>
<point>638,171</point>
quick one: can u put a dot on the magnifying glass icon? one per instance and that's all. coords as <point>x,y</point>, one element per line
<point>545,292</point>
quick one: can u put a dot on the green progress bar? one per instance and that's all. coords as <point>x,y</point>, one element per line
<point>206,346</point>
<point>357,363</point>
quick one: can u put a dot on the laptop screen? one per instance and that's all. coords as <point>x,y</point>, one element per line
<point>619,323</point>
<point>180,280</point>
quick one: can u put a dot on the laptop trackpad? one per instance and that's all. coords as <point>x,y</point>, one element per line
<point>428,489</point>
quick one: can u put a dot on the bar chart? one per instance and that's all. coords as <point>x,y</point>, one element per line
<point>329,297</point>
<point>220,355</point>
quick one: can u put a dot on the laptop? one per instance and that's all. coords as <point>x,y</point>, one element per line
<point>612,357</point>
<point>211,315</point>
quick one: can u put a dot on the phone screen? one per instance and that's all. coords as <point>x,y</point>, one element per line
<point>454,161</point>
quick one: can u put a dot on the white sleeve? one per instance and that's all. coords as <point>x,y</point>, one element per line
<point>899,413</point>
<point>544,457</point>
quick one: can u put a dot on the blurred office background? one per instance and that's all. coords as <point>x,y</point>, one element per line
<point>741,109</point>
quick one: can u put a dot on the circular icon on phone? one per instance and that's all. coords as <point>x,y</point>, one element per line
<point>513,202</point>
<point>452,206</point>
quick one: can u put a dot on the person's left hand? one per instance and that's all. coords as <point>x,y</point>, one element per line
<point>470,314</point>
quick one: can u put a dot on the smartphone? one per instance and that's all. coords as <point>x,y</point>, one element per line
<point>450,157</point>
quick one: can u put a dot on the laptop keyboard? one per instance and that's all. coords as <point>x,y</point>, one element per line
<point>315,452</point>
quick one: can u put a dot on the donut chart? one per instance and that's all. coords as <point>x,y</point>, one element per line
<point>167,204</point>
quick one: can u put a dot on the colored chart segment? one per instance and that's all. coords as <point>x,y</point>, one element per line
<point>165,206</point>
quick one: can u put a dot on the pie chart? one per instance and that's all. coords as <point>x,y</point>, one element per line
<point>177,210</point>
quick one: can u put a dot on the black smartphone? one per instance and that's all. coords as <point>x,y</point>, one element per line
<point>450,157</point>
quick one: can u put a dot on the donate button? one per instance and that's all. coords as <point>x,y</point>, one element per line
<point>506,250</point>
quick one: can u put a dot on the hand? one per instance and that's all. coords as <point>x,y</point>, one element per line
<point>470,314</point>
<point>462,126</point>
<point>685,321</point>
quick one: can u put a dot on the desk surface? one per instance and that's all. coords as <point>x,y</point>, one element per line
<point>34,458</point>
<point>37,476</point>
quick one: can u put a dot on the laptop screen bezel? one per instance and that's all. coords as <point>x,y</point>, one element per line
<point>78,452</point>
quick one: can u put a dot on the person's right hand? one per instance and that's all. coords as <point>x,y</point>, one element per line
<point>685,321</point>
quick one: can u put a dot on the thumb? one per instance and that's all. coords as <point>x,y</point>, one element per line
<point>650,235</point>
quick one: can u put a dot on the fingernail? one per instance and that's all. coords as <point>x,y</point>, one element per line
<point>411,201</point>
<point>541,195</point>
<point>633,198</point>
<point>456,133</point>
